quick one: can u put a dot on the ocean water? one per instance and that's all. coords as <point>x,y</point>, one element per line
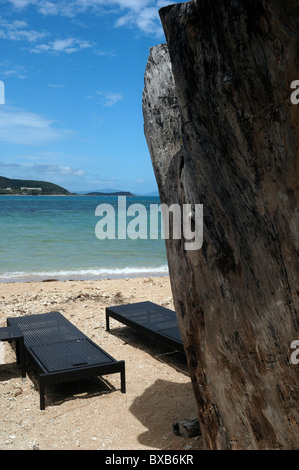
<point>54,237</point>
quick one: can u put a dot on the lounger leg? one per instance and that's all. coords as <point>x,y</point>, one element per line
<point>22,357</point>
<point>123,379</point>
<point>17,343</point>
<point>107,322</point>
<point>42,393</point>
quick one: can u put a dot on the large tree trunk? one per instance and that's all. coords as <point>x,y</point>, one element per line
<point>222,132</point>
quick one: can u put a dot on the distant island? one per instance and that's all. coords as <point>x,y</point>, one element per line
<point>30,187</point>
<point>117,193</point>
<point>38,188</point>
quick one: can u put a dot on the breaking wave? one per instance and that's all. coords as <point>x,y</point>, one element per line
<point>85,274</point>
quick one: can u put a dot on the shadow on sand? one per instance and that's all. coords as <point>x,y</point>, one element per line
<point>158,407</point>
<point>162,353</point>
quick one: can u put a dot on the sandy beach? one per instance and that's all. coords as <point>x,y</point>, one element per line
<point>94,414</point>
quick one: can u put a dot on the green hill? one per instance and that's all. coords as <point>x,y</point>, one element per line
<point>13,186</point>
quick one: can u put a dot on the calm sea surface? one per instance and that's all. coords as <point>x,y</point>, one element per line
<point>43,237</point>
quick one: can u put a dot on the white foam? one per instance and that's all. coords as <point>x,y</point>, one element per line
<point>84,274</point>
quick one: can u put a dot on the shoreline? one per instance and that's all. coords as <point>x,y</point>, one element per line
<point>90,195</point>
<point>78,277</point>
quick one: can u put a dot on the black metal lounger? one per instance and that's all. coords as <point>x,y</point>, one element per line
<point>63,353</point>
<point>150,319</point>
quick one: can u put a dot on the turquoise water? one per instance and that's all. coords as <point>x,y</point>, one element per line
<point>46,237</point>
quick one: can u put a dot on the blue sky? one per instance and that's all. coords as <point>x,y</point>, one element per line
<point>73,73</point>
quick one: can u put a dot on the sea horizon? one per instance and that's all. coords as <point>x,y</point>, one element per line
<point>53,237</point>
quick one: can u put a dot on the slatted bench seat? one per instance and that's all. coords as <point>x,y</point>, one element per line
<point>62,353</point>
<point>150,319</point>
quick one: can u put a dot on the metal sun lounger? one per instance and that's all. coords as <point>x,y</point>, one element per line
<point>62,352</point>
<point>150,319</point>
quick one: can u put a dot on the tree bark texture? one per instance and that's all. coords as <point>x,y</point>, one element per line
<point>223,132</point>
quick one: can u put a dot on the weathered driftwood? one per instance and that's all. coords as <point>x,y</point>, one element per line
<point>223,132</point>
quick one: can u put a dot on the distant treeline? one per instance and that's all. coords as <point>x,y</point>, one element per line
<point>15,186</point>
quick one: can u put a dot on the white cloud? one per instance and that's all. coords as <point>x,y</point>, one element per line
<point>109,98</point>
<point>22,3</point>
<point>146,19</point>
<point>8,70</point>
<point>49,8</point>
<point>55,85</point>
<point>58,170</point>
<point>131,4</point>
<point>41,170</point>
<point>12,73</point>
<point>142,14</point>
<point>18,31</point>
<point>9,165</point>
<point>22,127</point>
<point>68,45</point>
